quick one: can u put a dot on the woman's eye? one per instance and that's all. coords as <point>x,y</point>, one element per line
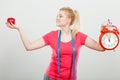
<point>60,16</point>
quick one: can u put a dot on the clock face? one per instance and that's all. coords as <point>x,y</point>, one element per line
<point>109,40</point>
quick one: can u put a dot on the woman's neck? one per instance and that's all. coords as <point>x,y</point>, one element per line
<point>66,31</point>
<point>66,34</point>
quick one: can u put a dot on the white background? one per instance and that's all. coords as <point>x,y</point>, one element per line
<point>36,18</point>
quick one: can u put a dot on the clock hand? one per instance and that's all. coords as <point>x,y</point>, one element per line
<point>109,38</point>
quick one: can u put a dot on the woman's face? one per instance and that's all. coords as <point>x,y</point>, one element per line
<point>62,20</point>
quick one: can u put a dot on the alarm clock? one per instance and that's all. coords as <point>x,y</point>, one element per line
<point>109,38</point>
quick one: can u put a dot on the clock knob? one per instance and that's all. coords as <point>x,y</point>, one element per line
<point>104,29</point>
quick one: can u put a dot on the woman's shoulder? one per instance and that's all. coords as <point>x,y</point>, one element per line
<point>53,31</point>
<point>81,34</point>
<point>51,34</point>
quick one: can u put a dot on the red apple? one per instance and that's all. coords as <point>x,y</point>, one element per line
<point>11,20</point>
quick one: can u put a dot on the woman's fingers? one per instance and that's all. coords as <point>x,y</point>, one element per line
<point>10,25</point>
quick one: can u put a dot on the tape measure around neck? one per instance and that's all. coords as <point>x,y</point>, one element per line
<point>73,55</point>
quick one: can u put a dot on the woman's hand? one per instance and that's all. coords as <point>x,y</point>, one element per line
<point>12,26</point>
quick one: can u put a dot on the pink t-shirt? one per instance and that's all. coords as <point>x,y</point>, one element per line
<point>51,39</point>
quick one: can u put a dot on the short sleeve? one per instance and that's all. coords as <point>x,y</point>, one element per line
<point>47,37</point>
<point>82,37</point>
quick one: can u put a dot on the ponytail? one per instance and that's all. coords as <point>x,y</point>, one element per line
<point>76,23</point>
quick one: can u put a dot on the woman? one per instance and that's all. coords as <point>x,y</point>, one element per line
<point>65,45</point>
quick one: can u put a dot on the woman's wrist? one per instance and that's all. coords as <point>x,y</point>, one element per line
<point>18,29</point>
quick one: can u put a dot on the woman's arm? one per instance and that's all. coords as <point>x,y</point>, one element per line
<point>90,43</point>
<point>27,44</point>
<point>31,45</point>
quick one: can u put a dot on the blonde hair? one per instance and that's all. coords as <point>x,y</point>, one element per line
<point>75,18</point>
